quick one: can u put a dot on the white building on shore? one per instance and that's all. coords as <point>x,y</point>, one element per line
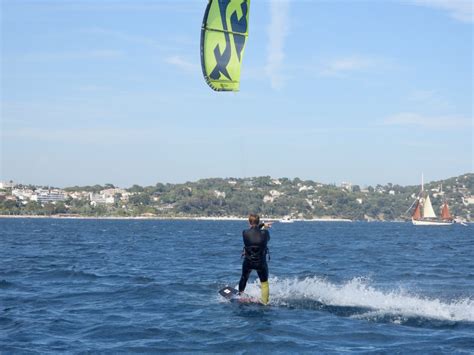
<point>109,196</point>
<point>48,196</point>
<point>101,199</point>
<point>7,184</point>
<point>24,194</point>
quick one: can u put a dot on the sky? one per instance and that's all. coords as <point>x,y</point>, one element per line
<point>368,92</point>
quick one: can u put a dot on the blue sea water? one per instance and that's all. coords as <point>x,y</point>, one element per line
<point>147,285</point>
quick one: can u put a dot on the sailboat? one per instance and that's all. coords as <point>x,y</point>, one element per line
<point>424,215</point>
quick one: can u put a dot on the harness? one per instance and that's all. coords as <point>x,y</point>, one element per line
<point>255,253</point>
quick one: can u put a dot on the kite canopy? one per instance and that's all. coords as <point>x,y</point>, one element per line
<point>223,35</point>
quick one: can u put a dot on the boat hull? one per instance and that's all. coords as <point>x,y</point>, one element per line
<point>418,222</point>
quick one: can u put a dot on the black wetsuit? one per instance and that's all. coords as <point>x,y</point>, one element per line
<point>255,255</point>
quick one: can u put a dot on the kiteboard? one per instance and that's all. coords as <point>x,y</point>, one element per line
<point>232,295</point>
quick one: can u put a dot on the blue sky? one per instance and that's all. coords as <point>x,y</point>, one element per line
<point>112,92</point>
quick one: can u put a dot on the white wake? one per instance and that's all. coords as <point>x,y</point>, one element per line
<point>360,294</point>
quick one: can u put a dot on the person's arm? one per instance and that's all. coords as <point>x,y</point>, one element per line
<point>263,225</point>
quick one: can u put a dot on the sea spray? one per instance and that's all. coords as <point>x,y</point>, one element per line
<point>359,294</point>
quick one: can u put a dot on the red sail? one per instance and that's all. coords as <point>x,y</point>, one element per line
<point>417,212</point>
<point>445,215</point>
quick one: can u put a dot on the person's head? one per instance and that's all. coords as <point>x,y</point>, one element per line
<point>254,220</point>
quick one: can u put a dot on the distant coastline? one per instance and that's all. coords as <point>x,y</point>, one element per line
<point>234,198</point>
<point>168,218</point>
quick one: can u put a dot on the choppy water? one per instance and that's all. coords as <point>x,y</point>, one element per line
<point>101,285</point>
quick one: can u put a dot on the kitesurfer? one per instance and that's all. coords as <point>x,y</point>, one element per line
<point>255,255</point>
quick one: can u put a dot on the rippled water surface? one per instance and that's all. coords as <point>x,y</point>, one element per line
<point>142,285</point>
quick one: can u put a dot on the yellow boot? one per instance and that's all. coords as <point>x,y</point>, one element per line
<point>265,292</point>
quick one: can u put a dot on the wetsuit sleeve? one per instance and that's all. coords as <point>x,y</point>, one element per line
<point>267,233</point>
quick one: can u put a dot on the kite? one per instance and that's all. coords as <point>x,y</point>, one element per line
<point>223,36</point>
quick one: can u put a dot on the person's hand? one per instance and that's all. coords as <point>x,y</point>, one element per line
<point>267,225</point>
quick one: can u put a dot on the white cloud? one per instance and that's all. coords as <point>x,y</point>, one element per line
<point>80,135</point>
<point>182,63</point>
<point>125,37</point>
<point>79,55</point>
<point>348,64</point>
<point>461,10</point>
<point>411,119</point>
<point>423,95</point>
<point>117,6</point>
<point>277,32</point>
<point>430,98</point>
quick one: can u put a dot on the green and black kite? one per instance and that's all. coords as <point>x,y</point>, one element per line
<point>223,36</point>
